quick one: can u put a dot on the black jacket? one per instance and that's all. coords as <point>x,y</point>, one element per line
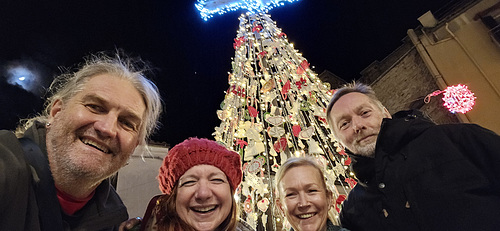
<point>426,177</point>
<point>18,204</point>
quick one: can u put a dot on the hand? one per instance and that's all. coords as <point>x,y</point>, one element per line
<point>132,224</point>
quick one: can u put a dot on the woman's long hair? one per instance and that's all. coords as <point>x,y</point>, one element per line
<point>168,219</point>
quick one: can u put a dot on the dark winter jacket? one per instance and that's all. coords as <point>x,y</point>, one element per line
<point>426,177</point>
<point>19,208</point>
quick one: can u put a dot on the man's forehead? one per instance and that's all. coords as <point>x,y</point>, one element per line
<point>94,89</point>
<point>352,100</point>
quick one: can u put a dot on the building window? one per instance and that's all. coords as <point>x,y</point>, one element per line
<point>491,19</point>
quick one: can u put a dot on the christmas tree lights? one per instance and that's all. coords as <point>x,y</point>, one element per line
<point>274,109</point>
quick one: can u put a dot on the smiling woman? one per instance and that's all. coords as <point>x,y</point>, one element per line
<point>198,178</point>
<point>303,197</point>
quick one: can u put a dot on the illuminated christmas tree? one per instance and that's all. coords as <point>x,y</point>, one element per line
<point>274,109</point>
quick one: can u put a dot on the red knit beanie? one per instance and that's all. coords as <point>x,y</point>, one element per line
<point>195,151</point>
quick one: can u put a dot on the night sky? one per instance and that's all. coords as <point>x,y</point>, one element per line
<point>191,56</point>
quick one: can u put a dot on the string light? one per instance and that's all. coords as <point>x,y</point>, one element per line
<point>456,98</point>
<point>208,8</point>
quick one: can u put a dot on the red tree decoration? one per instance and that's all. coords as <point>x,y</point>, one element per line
<point>456,98</point>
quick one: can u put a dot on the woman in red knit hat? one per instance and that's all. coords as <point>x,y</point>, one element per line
<point>198,179</point>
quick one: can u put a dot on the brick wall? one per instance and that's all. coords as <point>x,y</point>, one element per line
<point>406,82</point>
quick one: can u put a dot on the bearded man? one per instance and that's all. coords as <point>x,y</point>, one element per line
<point>54,171</point>
<point>413,174</point>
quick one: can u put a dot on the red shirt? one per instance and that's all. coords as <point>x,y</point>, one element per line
<point>71,204</point>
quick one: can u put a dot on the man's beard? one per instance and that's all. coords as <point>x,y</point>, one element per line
<point>68,160</point>
<point>367,150</point>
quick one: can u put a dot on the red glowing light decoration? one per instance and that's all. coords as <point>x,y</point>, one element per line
<point>456,98</point>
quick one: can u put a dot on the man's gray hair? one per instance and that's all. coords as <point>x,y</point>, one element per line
<point>67,85</point>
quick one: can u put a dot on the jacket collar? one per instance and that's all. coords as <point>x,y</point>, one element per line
<point>404,126</point>
<point>398,131</point>
<point>37,134</point>
<point>394,134</point>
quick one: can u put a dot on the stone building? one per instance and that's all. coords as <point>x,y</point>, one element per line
<point>459,45</point>
<point>334,81</point>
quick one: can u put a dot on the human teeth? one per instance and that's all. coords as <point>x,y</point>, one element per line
<point>95,145</point>
<point>206,209</point>
<point>305,216</point>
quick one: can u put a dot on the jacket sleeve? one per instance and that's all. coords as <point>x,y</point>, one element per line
<point>482,147</point>
<point>348,208</point>
<point>15,180</point>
